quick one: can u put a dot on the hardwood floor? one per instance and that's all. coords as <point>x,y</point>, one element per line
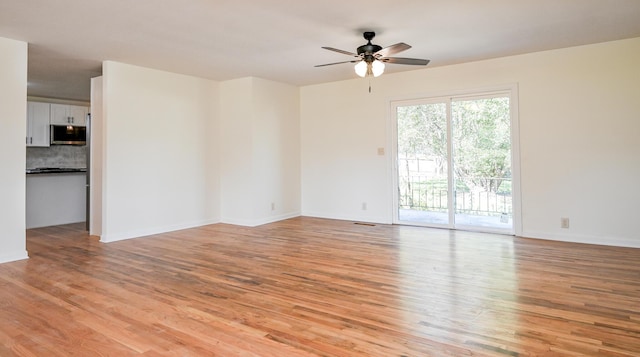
<point>316,287</point>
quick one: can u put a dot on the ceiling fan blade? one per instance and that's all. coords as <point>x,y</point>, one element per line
<point>331,64</point>
<point>401,60</point>
<point>341,51</point>
<point>393,49</point>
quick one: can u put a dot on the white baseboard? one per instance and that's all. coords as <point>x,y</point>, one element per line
<point>357,218</point>
<point>626,242</point>
<point>584,239</point>
<point>12,257</point>
<point>108,238</point>
<point>259,221</point>
<point>572,238</point>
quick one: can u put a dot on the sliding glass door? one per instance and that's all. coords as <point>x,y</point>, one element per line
<point>454,162</point>
<point>423,179</point>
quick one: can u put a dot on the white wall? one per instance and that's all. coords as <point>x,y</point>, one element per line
<point>579,114</point>
<point>236,160</point>
<point>172,143</point>
<point>342,126</point>
<point>96,156</point>
<point>160,169</point>
<point>13,114</point>
<point>260,148</point>
<point>276,150</point>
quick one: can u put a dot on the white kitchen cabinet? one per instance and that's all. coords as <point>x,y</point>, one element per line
<point>63,114</point>
<point>38,124</point>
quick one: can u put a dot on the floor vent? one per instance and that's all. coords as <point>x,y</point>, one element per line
<point>365,224</point>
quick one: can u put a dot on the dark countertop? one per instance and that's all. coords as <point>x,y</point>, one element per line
<point>55,170</point>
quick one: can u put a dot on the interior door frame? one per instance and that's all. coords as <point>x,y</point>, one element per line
<point>512,90</point>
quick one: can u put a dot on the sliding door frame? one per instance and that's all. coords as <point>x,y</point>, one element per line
<point>512,91</point>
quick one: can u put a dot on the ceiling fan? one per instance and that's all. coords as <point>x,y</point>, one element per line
<point>370,58</point>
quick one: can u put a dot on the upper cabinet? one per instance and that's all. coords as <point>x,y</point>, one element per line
<point>63,114</point>
<point>38,124</point>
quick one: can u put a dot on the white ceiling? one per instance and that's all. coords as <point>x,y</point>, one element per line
<point>280,39</point>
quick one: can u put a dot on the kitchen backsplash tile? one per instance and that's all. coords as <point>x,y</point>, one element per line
<point>57,156</point>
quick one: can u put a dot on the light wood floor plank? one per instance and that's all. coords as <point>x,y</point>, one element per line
<point>317,287</point>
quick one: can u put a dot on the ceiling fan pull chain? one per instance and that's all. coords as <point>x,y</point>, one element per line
<point>369,85</point>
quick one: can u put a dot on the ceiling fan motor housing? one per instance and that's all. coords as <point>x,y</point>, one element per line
<point>369,49</point>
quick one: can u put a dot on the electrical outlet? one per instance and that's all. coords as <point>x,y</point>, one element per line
<point>564,222</point>
<point>364,206</point>
<point>273,206</point>
<point>381,151</point>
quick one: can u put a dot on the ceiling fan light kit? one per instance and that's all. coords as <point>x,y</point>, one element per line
<point>370,58</point>
<point>373,68</point>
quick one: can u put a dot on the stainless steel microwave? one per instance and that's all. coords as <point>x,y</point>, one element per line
<point>68,135</point>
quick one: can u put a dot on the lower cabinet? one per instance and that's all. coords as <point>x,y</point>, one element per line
<point>54,199</point>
